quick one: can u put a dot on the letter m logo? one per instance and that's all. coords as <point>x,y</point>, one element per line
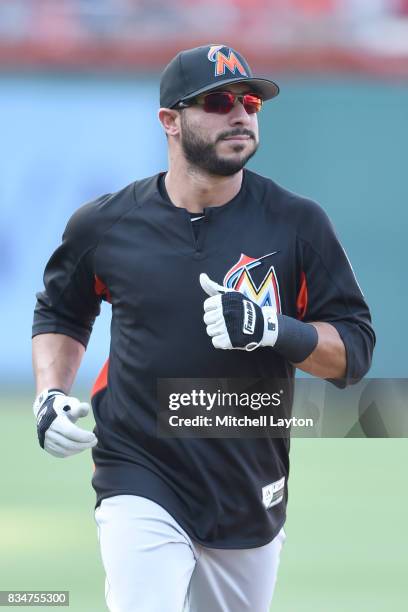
<point>223,61</point>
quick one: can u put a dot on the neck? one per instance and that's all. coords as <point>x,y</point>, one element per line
<point>195,190</point>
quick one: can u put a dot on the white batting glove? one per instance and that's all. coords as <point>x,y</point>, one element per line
<point>234,321</point>
<point>56,414</point>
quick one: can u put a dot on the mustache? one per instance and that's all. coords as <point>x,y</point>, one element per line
<point>236,132</point>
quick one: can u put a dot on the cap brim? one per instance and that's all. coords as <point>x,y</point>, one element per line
<point>265,87</point>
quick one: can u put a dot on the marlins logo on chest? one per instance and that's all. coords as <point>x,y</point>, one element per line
<point>265,292</point>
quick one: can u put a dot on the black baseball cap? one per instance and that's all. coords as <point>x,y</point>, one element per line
<point>198,70</point>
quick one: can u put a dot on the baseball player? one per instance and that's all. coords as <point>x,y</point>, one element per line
<point>212,271</point>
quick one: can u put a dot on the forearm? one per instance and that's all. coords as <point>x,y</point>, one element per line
<point>328,360</point>
<point>56,359</point>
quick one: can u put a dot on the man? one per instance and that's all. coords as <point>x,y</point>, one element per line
<point>194,521</point>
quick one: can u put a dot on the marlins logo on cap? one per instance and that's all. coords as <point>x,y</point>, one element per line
<point>222,61</point>
<point>195,71</point>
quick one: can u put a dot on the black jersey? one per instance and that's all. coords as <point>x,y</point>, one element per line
<point>137,250</point>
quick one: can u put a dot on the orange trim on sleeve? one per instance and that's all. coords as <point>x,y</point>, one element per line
<point>301,301</point>
<point>102,381</point>
<point>102,290</point>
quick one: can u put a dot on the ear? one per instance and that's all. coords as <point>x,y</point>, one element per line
<point>170,120</point>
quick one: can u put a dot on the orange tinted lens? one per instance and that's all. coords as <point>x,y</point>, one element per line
<point>252,103</point>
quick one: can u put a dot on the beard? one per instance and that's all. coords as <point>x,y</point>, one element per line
<point>202,153</point>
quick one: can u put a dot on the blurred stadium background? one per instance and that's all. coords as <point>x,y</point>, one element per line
<point>78,99</point>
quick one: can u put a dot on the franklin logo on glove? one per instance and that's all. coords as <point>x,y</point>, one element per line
<point>249,317</point>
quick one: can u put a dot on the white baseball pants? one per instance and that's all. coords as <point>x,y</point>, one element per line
<point>152,565</point>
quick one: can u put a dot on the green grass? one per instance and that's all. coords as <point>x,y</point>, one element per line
<point>347,523</point>
<point>347,537</point>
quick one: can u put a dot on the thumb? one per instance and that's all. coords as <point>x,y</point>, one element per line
<point>78,411</point>
<point>211,287</point>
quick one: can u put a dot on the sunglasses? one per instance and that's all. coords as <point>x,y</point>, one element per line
<point>222,102</point>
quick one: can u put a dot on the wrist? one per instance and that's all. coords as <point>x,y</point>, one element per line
<point>43,396</point>
<point>296,340</point>
<point>293,339</point>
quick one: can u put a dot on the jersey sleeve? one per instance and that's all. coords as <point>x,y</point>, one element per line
<point>69,303</point>
<point>330,292</point>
